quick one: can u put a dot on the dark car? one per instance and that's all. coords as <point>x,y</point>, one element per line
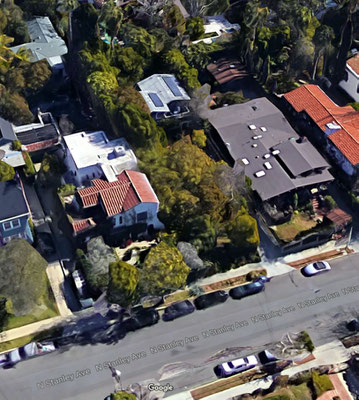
<point>141,319</point>
<point>210,299</point>
<point>353,325</point>
<point>116,331</point>
<point>246,290</point>
<point>266,357</point>
<point>178,310</point>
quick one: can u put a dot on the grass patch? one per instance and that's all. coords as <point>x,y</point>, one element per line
<point>321,383</point>
<point>301,392</point>
<point>300,222</point>
<point>178,296</point>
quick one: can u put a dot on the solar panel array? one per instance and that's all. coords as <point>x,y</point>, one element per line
<point>172,85</point>
<point>156,100</point>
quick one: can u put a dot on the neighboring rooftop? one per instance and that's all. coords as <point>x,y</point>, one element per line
<point>45,42</point>
<point>130,189</point>
<point>340,124</point>
<point>12,200</point>
<point>226,69</point>
<point>159,90</point>
<point>216,26</point>
<point>353,64</point>
<point>275,158</point>
<point>93,148</point>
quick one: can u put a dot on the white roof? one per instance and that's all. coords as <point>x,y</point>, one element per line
<point>217,24</point>
<point>93,148</point>
<point>157,92</point>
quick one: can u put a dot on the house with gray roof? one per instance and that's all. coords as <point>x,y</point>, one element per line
<point>7,154</point>
<point>257,136</point>
<point>45,43</point>
<point>164,96</point>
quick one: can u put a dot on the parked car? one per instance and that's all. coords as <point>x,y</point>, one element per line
<point>234,367</point>
<point>266,357</point>
<point>178,310</point>
<point>263,279</point>
<point>141,319</point>
<point>116,331</point>
<point>27,351</point>
<point>315,268</point>
<point>353,325</point>
<point>210,299</point>
<point>246,290</point>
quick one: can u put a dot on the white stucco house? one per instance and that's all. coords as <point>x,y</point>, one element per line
<point>90,155</point>
<point>216,26</point>
<point>350,83</point>
<point>128,201</point>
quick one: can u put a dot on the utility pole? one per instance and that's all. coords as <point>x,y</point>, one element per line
<point>116,375</point>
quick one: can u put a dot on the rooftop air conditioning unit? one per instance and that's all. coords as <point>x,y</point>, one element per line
<point>259,174</point>
<point>263,129</point>
<point>251,127</point>
<point>275,152</point>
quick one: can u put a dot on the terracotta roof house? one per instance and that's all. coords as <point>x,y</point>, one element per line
<point>337,128</point>
<point>257,136</point>
<point>350,83</point>
<point>226,69</point>
<point>128,201</point>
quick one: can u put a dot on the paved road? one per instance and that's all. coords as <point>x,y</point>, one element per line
<point>283,303</point>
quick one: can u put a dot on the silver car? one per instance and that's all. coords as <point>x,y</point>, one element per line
<point>233,367</point>
<point>315,268</point>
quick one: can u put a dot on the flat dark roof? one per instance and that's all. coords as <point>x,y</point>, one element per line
<point>36,135</point>
<point>252,131</point>
<point>12,200</point>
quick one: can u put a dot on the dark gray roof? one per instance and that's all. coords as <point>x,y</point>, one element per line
<point>270,131</point>
<point>36,135</point>
<point>6,130</point>
<point>12,200</point>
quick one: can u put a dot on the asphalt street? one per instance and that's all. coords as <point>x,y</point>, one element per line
<point>289,303</point>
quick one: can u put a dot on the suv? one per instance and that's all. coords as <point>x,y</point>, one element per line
<point>210,299</point>
<point>141,319</point>
<point>178,310</point>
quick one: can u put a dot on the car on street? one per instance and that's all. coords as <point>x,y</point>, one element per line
<point>315,268</point>
<point>246,290</point>
<point>25,352</point>
<point>210,299</point>
<point>234,367</point>
<point>141,319</point>
<point>178,310</point>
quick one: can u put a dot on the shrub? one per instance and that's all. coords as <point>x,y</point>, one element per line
<point>307,341</point>
<point>252,275</point>
<point>331,203</point>
<point>16,145</point>
<point>66,190</point>
<point>29,168</point>
<point>199,138</point>
<point>321,383</point>
<point>7,172</point>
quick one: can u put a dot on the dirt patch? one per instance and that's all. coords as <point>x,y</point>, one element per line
<point>298,223</point>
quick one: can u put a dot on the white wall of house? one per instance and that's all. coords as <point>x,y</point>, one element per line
<point>131,217</point>
<point>351,83</point>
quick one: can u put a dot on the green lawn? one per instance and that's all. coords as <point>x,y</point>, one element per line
<point>299,223</point>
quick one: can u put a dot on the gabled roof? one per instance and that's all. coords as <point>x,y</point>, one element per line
<point>130,189</point>
<point>159,90</point>
<point>341,124</point>
<point>252,132</point>
<point>353,64</point>
<point>12,200</point>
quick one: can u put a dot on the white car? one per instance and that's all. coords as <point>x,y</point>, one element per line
<point>315,268</point>
<point>233,367</point>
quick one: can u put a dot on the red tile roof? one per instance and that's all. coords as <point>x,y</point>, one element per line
<point>322,110</point>
<point>130,189</point>
<point>81,225</point>
<point>354,63</point>
<point>42,145</point>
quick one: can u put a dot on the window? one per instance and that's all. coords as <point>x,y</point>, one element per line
<point>120,219</point>
<point>142,217</point>
<point>358,88</point>
<point>11,224</point>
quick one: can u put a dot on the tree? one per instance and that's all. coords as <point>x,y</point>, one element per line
<point>195,28</point>
<point>163,270</point>
<point>173,20</point>
<point>123,396</point>
<point>111,17</point>
<point>139,39</point>
<point>16,26</point>
<point>199,138</point>
<point>129,63</point>
<point>230,98</point>
<point>201,232</point>
<point>322,41</point>
<point>39,7</point>
<point>199,8</point>
<point>84,24</point>
<point>123,282</point>
<point>4,315</point>
<point>129,95</point>
<point>243,232</point>
<point>14,107</point>
<point>37,74</point>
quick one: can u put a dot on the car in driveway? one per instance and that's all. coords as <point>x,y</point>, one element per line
<point>249,289</point>
<point>315,268</point>
<point>210,299</point>
<point>141,319</point>
<point>234,367</point>
<point>177,310</point>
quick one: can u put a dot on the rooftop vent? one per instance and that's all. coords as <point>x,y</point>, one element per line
<point>254,108</point>
<point>245,161</point>
<point>275,152</point>
<point>119,151</point>
<point>251,127</point>
<point>267,155</point>
<point>268,165</point>
<point>259,174</point>
<point>263,129</point>
<point>254,145</point>
<point>333,125</point>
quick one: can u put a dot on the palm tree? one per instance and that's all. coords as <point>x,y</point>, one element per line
<point>111,17</point>
<point>322,40</point>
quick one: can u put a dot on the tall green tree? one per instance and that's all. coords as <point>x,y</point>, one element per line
<point>323,43</point>
<point>124,278</point>
<point>243,231</point>
<point>111,17</point>
<point>7,172</point>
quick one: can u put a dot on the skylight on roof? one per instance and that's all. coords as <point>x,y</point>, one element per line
<point>252,127</point>
<point>267,155</point>
<point>172,85</point>
<point>255,145</point>
<point>245,161</point>
<point>268,165</point>
<point>333,125</point>
<point>275,152</point>
<point>259,174</point>
<point>263,129</point>
<point>155,99</point>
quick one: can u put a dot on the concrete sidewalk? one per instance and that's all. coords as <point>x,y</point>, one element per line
<point>57,281</point>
